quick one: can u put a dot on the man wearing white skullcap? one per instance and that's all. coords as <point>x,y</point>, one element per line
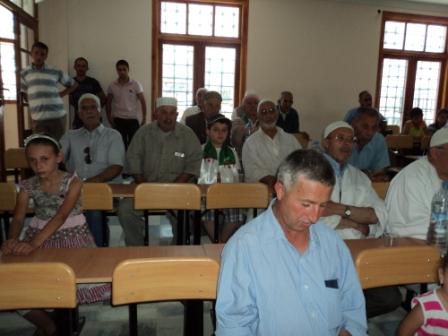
<point>355,211</point>
<point>410,193</point>
<point>267,147</point>
<point>163,151</point>
<point>96,153</point>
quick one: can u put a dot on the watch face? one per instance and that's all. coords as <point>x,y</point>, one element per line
<point>348,212</point>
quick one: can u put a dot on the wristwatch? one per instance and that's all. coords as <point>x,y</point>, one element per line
<point>347,212</point>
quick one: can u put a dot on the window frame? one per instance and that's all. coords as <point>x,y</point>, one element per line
<point>200,43</point>
<point>413,57</point>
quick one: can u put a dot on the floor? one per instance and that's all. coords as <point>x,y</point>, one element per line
<point>155,319</point>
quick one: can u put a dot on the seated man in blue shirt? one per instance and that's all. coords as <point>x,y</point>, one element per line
<point>285,273</point>
<point>370,153</point>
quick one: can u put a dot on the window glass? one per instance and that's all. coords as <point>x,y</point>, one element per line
<point>427,88</point>
<point>177,78</point>
<point>392,90</point>
<point>227,21</point>
<point>394,35</point>
<point>173,18</point>
<point>200,20</point>
<point>415,36</point>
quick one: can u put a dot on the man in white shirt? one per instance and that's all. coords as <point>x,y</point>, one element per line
<point>410,193</point>
<point>267,147</point>
<point>355,210</point>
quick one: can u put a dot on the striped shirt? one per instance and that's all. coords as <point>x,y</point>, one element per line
<point>435,317</point>
<point>42,89</point>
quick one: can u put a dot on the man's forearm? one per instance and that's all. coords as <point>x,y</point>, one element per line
<point>106,175</point>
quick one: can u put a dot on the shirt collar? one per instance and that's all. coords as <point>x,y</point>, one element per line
<point>99,129</point>
<point>338,169</point>
<point>33,66</point>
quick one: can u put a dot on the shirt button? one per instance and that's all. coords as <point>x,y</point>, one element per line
<point>313,315</point>
<point>305,286</point>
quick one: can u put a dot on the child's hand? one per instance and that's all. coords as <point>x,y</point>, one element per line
<point>8,246</point>
<point>23,248</point>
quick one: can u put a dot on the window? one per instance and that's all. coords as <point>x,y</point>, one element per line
<point>7,54</point>
<point>413,55</point>
<point>199,44</point>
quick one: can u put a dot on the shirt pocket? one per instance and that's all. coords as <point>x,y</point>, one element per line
<point>334,312</point>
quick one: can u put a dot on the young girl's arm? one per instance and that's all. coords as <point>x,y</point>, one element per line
<point>53,224</point>
<point>412,321</point>
<point>16,223</point>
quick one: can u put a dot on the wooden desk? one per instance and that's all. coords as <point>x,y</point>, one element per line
<point>123,190</point>
<point>355,246</point>
<point>96,265</point>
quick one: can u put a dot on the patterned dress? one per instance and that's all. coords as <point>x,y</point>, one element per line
<point>434,314</point>
<point>74,233</point>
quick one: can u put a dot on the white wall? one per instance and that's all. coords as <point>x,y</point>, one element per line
<point>324,51</point>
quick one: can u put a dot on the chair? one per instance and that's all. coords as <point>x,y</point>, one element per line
<point>170,196</point>
<point>39,285</point>
<point>15,159</point>
<point>398,265</point>
<point>98,196</point>
<point>8,196</point>
<point>399,142</point>
<point>236,195</point>
<point>303,138</point>
<point>393,129</point>
<point>163,279</point>
<point>381,188</point>
<point>424,144</point>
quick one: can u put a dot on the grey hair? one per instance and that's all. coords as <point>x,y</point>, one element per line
<point>90,96</point>
<point>308,163</point>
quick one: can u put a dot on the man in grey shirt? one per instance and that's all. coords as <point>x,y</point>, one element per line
<point>96,154</point>
<point>163,151</point>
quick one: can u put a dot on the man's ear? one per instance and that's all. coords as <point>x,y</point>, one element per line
<point>280,190</point>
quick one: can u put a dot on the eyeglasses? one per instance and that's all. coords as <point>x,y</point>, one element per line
<point>341,138</point>
<point>87,158</point>
<point>271,110</point>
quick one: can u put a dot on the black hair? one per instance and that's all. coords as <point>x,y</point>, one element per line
<point>122,62</point>
<point>221,120</point>
<point>43,139</point>
<point>416,112</point>
<point>81,59</point>
<point>40,45</point>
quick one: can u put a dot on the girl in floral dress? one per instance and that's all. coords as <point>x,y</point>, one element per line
<point>58,220</point>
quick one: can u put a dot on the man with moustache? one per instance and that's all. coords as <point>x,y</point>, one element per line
<point>163,151</point>
<point>267,147</point>
<point>287,273</point>
<point>355,211</point>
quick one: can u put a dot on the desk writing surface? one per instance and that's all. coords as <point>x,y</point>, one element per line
<point>95,265</point>
<point>355,246</point>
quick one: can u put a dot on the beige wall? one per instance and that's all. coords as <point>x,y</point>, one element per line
<point>324,51</point>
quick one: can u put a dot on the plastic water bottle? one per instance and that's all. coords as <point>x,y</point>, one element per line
<point>438,225</point>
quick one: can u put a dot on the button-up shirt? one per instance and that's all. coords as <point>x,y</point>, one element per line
<point>105,148</point>
<point>267,287</point>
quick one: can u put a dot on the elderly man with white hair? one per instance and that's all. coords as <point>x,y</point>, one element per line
<point>355,210</point>
<point>199,107</point>
<point>267,147</point>
<point>163,151</point>
<point>411,191</point>
<point>96,154</point>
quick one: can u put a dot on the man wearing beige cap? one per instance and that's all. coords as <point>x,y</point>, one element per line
<point>355,211</point>
<point>409,197</point>
<point>163,151</point>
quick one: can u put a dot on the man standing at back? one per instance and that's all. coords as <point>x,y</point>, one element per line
<point>123,96</point>
<point>288,118</point>
<point>285,273</point>
<point>86,84</point>
<point>40,87</point>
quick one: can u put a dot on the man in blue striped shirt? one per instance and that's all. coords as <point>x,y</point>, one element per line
<point>40,86</point>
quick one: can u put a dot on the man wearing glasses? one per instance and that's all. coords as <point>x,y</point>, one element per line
<point>267,147</point>
<point>96,153</point>
<point>355,211</point>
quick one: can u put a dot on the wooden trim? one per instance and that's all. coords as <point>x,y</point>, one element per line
<point>200,43</point>
<point>415,18</point>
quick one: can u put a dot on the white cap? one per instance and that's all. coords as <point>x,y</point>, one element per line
<point>439,138</point>
<point>90,96</point>
<point>334,126</point>
<point>166,101</point>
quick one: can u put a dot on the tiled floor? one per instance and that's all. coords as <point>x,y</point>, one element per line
<point>155,319</point>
